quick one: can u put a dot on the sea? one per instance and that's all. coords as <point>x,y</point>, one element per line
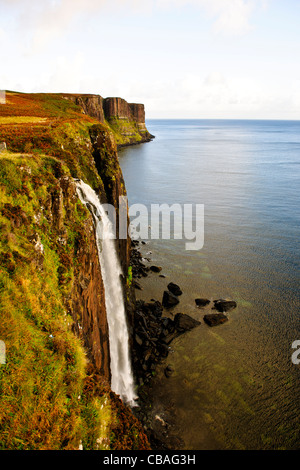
<point>235,385</point>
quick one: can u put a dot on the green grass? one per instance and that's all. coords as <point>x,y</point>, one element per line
<point>45,368</point>
<point>51,396</point>
<point>125,132</point>
<point>45,398</point>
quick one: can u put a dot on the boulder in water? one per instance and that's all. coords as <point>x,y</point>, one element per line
<point>169,300</point>
<point>214,319</point>
<point>137,285</point>
<point>224,305</point>
<point>174,288</point>
<point>202,302</point>
<point>155,269</point>
<point>184,322</point>
<point>169,370</point>
<point>154,307</point>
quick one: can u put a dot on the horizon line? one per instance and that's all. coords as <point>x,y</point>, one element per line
<point>222,119</point>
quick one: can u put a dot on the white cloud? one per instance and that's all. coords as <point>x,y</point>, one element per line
<point>218,96</point>
<point>215,78</point>
<point>201,78</point>
<point>67,73</point>
<point>44,20</point>
<point>230,17</point>
<point>50,18</point>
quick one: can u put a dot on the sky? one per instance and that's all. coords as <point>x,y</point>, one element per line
<point>206,59</point>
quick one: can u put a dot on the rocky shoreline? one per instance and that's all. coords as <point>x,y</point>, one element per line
<point>154,329</point>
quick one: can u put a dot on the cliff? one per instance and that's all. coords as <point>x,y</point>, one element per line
<point>55,390</point>
<point>126,120</point>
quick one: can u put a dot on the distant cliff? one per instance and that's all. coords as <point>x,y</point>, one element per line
<point>127,120</point>
<point>55,385</point>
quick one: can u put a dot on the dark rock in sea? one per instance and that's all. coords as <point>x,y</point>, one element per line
<point>155,269</point>
<point>169,300</point>
<point>174,288</point>
<point>214,319</point>
<point>152,335</point>
<point>202,302</point>
<point>184,322</point>
<point>170,336</point>
<point>169,370</point>
<point>137,285</point>
<point>163,349</point>
<point>139,269</point>
<point>224,305</point>
<point>154,307</point>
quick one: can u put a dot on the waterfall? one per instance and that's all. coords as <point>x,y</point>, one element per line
<point>122,382</point>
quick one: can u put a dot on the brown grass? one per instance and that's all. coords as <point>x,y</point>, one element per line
<point>4,120</point>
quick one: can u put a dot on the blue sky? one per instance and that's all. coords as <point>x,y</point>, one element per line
<point>181,58</point>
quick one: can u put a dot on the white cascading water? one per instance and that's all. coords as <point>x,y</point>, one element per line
<point>122,382</point>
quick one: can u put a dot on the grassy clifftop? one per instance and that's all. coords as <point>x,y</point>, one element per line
<point>49,124</point>
<point>53,393</point>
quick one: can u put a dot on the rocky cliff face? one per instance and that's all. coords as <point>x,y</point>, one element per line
<point>50,278</point>
<point>117,107</point>
<point>91,153</point>
<point>107,163</point>
<point>91,105</point>
<point>138,112</point>
<point>86,301</point>
<point>127,120</point>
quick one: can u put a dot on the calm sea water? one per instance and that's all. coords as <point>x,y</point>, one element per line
<point>234,386</point>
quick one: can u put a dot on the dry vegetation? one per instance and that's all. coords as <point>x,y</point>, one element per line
<point>50,396</point>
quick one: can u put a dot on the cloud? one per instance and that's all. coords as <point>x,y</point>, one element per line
<point>217,88</point>
<point>41,21</point>
<point>48,19</point>
<point>215,78</point>
<point>51,18</point>
<point>230,17</point>
<point>219,95</point>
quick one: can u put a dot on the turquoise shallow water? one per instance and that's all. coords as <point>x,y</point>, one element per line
<point>234,386</point>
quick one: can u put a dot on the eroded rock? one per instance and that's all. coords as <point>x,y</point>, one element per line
<point>202,302</point>
<point>169,300</point>
<point>155,269</point>
<point>184,322</point>
<point>152,335</point>
<point>169,370</point>
<point>214,319</point>
<point>225,305</point>
<point>174,289</point>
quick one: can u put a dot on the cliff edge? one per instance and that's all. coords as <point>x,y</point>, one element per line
<point>126,120</point>
<point>55,383</point>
